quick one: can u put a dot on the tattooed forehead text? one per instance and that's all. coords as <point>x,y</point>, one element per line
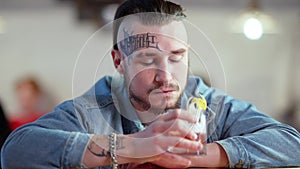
<point>134,42</point>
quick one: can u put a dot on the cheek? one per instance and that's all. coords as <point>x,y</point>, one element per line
<point>180,74</point>
<point>142,79</point>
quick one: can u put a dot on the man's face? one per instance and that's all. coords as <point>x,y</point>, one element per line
<point>154,63</point>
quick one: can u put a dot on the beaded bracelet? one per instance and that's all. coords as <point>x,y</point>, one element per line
<point>113,149</point>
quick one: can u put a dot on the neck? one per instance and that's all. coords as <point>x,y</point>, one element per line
<point>146,117</point>
<point>145,113</point>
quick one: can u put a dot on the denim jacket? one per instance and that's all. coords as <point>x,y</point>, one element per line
<point>58,139</point>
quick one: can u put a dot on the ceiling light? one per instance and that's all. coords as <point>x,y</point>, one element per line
<point>253,29</point>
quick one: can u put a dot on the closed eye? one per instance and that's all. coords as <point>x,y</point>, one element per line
<point>177,55</point>
<point>146,58</point>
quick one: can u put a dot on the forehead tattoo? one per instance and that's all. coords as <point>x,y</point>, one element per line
<point>133,42</point>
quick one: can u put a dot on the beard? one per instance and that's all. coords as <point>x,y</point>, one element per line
<point>142,101</point>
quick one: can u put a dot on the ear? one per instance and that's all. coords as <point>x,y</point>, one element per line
<point>116,56</point>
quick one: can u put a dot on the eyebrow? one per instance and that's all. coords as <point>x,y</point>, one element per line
<point>151,54</point>
<point>179,51</point>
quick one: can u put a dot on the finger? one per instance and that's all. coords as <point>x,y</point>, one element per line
<point>179,114</point>
<point>173,141</point>
<point>190,135</point>
<point>176,127</point>
<point>169,160</point>
<point>181,128</point>
<point>188,144</point>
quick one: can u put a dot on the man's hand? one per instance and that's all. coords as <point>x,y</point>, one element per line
<point>169,130</point>
<point>172,129</point>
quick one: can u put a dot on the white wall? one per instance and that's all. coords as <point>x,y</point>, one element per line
<point>262,71</point>
<point>44,40</point>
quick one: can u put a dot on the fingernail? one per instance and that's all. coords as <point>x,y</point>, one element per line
<point>195,136</point>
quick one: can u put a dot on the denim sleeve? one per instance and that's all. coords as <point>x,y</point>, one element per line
<point>252,139</point>
<point>57,140</point>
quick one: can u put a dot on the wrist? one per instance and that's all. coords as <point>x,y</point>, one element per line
<point>125,149</point>
<point>215,157</point>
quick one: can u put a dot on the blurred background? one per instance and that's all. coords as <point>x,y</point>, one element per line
<point>258,42</point>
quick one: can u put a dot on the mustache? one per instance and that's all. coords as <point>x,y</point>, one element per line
<point>169,86</point>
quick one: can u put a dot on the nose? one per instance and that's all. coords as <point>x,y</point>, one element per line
<point>163,73</point>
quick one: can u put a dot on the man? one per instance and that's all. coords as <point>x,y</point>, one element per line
<point>138,117</point>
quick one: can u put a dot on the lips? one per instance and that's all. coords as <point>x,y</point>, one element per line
<point>165,92</point>
<point>164,89</point>
<point>168,91</point>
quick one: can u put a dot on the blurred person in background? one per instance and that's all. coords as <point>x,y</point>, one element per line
<point>32,102</point>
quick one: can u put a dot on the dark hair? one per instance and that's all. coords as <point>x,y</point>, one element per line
<point>163,8</point>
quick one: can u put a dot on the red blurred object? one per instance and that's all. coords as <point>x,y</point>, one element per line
<point>21,120</point>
